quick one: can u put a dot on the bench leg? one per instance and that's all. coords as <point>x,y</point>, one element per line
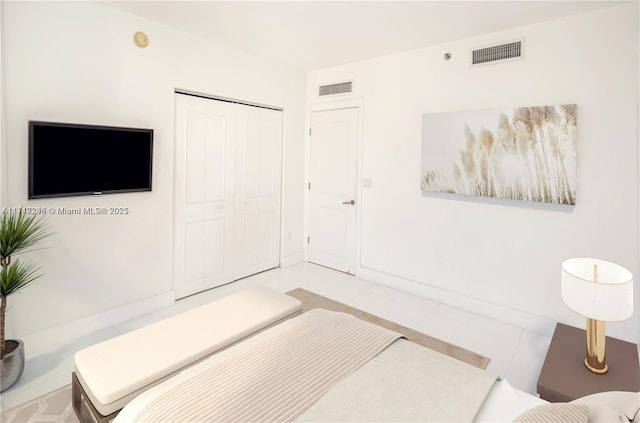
<point>87,414</point>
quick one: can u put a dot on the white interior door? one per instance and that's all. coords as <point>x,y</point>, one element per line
<point>257,190</point>
<point>204,184</point>
<point>332,191</point>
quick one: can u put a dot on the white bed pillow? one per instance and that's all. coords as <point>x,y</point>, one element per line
<point>612,406</point>
<point>555,413</point>
<point>504,403</point>
<point>604,407</point>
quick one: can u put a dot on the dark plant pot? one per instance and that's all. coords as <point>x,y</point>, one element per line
<point>11,366</point>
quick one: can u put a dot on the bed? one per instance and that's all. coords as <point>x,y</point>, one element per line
<point>304,370</point>
<point>328,366</point>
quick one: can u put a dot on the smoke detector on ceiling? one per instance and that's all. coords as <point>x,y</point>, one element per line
<point>140,39</point>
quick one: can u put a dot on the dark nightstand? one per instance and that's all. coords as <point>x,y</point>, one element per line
<point>564,376</point>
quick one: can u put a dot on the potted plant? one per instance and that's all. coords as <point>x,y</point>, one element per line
<point>19,232</point>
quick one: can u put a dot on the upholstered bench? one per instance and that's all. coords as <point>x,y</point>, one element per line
<point>110,374</point>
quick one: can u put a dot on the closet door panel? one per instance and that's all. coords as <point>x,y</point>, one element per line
<point>258,238</point>
<point>205,158</point>
<point>204,250</point>
<point>204,185</point>
<point>258,190</point>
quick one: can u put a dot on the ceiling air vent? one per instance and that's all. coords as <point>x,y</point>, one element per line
<point>498,53</point>
<point>340,88</point>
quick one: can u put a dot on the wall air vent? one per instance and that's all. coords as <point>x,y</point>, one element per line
<point>340,88</point>
<point>498,53</point>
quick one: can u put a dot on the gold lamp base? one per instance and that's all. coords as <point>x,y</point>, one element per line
<point>593,369</point>
<point>596,359</point>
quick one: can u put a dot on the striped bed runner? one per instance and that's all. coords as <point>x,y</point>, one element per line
<point>277,379</point>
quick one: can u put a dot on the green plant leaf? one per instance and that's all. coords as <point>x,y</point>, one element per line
<point>19,232</point>
<point>16,276</point>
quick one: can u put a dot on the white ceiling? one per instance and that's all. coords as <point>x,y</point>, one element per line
<point>313,35</point>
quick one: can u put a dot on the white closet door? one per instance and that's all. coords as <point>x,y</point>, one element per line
<point>257,190</point>
<point>204,185</point>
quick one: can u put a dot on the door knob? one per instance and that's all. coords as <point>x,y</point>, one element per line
<point>352,202</point>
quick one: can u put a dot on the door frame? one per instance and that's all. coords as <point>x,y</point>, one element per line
<point>323,107</point>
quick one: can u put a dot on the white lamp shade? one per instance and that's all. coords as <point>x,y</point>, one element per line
<point>610,299</point>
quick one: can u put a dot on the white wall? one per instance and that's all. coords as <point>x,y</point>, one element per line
<point>3,166</point>
<point>506,253</point>
<point>76,62</point>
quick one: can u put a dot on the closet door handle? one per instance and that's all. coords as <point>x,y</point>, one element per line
<point>352,202</point>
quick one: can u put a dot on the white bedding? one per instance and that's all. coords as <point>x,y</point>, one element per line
<point>406,382</point>
<point>504,403</point>
<point>281,377</point>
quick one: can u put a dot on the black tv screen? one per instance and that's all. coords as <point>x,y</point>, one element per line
<point>71,159</point>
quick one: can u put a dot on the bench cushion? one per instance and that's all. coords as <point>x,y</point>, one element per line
<point>113,369</point>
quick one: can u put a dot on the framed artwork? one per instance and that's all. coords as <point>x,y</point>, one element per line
<point>523,153</point>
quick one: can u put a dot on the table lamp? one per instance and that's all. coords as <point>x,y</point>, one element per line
<point>602,292</point>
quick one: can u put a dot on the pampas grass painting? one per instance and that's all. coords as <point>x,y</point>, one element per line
<point>526,153</point>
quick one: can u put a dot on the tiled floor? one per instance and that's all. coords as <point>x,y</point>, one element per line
<point>516,354</point>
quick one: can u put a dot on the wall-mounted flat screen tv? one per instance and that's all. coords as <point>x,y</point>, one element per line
<point>71,159</point>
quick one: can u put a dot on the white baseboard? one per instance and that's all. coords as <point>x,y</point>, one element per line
<point>515,317</point>
<point>291,259</point>
<point>64,333</point>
